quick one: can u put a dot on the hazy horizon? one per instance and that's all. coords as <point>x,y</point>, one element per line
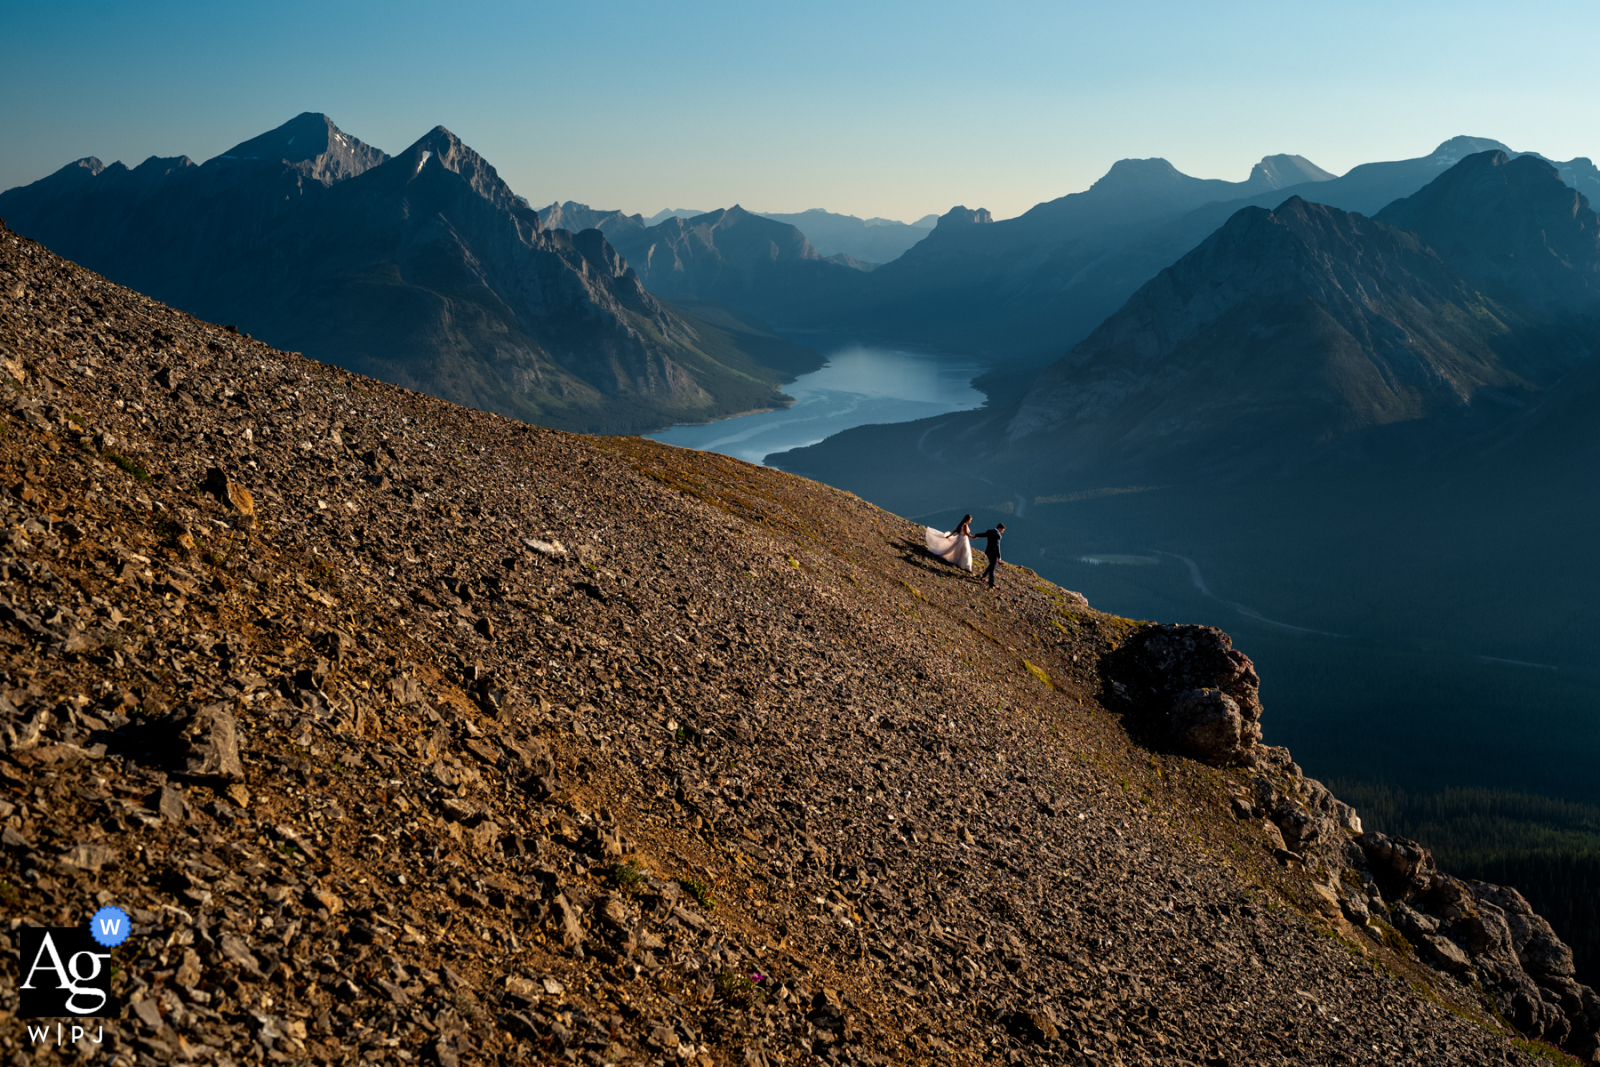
<point>896,111</point>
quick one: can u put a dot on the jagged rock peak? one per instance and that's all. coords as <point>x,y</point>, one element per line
<point>313,144</point>
<point>441,148</point>
<point>962,215</point>
<point>88,167</point>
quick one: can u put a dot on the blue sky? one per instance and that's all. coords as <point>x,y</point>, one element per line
<point>892,109</point>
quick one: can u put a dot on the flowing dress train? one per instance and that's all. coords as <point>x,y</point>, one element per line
<point>951,547</point>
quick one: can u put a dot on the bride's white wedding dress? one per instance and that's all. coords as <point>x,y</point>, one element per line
<point>951,547</point>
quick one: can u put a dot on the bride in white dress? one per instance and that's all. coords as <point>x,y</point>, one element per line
<point>953,547</point>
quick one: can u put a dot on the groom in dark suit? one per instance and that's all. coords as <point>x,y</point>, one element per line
<point>991,548</point>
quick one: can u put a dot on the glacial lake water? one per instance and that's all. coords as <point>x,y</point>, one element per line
<point>859,385</point>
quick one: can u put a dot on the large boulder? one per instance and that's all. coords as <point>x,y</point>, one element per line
<point>1207,724</point>
<point>1191,689</point>
<point>1537,947</point>
<point>1403,869</point>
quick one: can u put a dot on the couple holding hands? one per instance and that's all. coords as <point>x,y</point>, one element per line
<point>956,547</point>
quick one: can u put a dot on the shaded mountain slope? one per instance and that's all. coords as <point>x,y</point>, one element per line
<point>424,269</point>
<point>1284,332</point>
<point>1366,189</point>
<point>1514,228</point>
<point>404,732</point>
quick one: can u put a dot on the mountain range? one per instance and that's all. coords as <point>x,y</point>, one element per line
<point>1308,338</point>
<point>1023,290</point>
<point>424,269</point>
<point>874,240</point>
<point>867,241</point>
<point>1297,328</point>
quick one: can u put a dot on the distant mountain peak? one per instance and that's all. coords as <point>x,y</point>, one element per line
<point>575,218</point>
<point>1138,176</point>
<point>312,144</point>
<point>673,213</point>
<point>1153,166</point>
<point>89,164</point>
<point>1456,149</point>
<point>1511,225</point>
<point>961,215</point>
<point>874,240</point>
<point>1283,170</point>
<point>441,148</point>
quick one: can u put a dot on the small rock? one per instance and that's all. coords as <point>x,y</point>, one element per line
<point>321,898</point>
<point>396,995</point>
<point>522,988</point>
<point>208,744</point>
<point>1445,953</point>
<point>89,857</point>
<point>238,952</point>
<point>615,913</point>
<point>148,1012</point>
<point>567,919</point>
<point>229,492</point>
<point>484,836</point>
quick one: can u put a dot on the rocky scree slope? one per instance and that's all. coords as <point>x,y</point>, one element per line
<point>408,733</point>
<point>423,269</point>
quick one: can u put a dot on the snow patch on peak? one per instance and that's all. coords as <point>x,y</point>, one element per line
<point>425,154</point>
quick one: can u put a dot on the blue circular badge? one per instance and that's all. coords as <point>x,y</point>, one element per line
<point>110,926</point>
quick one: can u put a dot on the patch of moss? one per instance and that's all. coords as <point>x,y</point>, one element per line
<point>697,889</point>
<point>1039,673</point>
<point>1392,938</point>
<point>132,466</point>
<point>626,876</point>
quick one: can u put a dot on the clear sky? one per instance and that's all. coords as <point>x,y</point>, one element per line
<point>891,109</point>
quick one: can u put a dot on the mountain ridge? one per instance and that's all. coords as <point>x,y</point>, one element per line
<point>423,268</point>
<point>1029,287</point>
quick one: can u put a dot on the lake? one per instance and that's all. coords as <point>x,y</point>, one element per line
<point>860,384</point>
